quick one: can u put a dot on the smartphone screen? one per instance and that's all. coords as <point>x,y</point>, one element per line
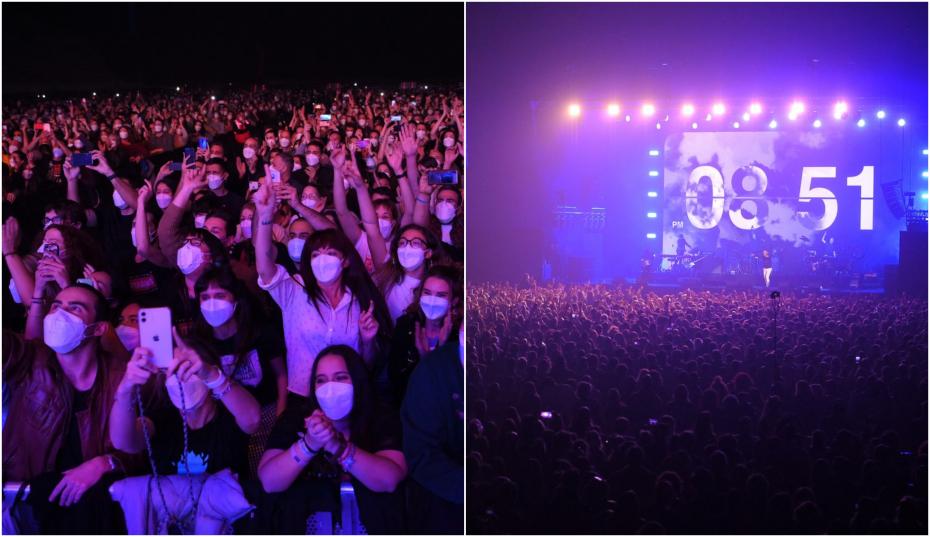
<point>253,186</point>
<point>189,154</point>
<point>175,166</point>
<point>81,159</point>
<point>275,175</point>
<point>362,144</point>
<point>444,177</point>
<point>326,117</point>
<point>155,334</point>
<point>396,119</point>
<point>203,143</point>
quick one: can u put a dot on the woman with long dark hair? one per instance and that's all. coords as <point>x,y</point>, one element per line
<point>339,432</point>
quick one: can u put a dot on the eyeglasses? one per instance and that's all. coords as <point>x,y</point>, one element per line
<point>193,242</point>
<point>416,243</point>
<point>53,220</point>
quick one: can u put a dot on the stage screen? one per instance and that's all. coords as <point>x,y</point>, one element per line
<point>813,198</point>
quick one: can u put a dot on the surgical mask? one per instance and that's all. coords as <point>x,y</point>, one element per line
<point>128,336</point>
<point>248,153</point>
<point>326,268</point>
<point>295,247</point>
<point>270,142</point>
<point>410,257</point>
<point>78,144</point>
<point>246,227</point>
<point>216,311</point>
<point>297,167</point>
<point>370,162</point>
<point>434,307</point>
<point>214,181</point>
<point>119,201</point>
<point>64,331</point>
<point>158,128</point>
<point>14,292</point>
<point>94,127</point>
<point>285,142</point>
<point>57,153</point>
<point>200,220</point>
<point>309,203</point>
<point>189,259</point>
<point>362,123</point>
<point>445,211</point>
<point>448,142</point>
<point>312,159</point>
<point>374,142</point>
<point>195,392</point>
<point>421,135</point>
<point>14,148</point>
<point>386,227</point>
<point>162,200</point>
<point>123,135</point>
<point>335,399</point>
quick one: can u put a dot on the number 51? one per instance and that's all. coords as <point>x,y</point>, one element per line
<point>865,181</point>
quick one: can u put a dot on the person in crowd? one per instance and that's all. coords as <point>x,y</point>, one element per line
<point>603,409</point>
<point>340,429</point>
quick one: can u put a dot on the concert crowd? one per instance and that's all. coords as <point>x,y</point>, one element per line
<point>309,252</point>
<point>599,409</point>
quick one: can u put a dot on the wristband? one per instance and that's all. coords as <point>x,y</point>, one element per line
<point>217,382</point>
<point>399,175</point>
<point>112,177</point>
<point>423,201</point>
<point>218,395</point>
<point>305,447</point>
<point>294,455</point>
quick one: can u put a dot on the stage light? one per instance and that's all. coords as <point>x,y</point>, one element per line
<point>574,110</point>
<point>901,122</point>
<point>425,87</point>
<point>860,123</point>
<point>924,151</point>
<point>382,94</point>
<point>736,124</point>
<point>797,108</point>
<point>792,116</point>
<point>177,88</point>
<point>628,118</point>
<point>653,173</point>
<point>613,109</point>
<point>94,94</point>
<point>652,194</point>
<point>923,195</point>
<point>923,174</point>
<point>718,109</point>
<point>687,110</point>
<point>649,109</point>
<point>708,117</point>
<point>840,110</point>
<point>773,124</point>
<point>650,235</point>
<point>745,116</point>
<point>117,94</point>
<point>755,109</point>
<point>658,125</point>
<point>651,215</point>
<point>880,114</point>
<point>355,84</point>
<point>655,153</point>
<point>694,125</point>
<point>817,123</point>
<point>213,97</point>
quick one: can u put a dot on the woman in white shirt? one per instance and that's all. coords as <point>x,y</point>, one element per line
<point>334,300</point>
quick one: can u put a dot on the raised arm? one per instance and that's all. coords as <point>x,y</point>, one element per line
<point>369,219</point>
<point>144,246</point>
<point>22,277</point>
<point>346,218</point>
<point>421,207</point>
<point>169,227</point>
<point>125,428</point>
<point>126,191</point>
<point>262,220</point>
<point>316,220</point>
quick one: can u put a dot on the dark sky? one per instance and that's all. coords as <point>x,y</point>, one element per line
<point>81,46</point>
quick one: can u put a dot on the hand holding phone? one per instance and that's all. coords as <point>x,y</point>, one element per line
<point>275,174</point>
<point>444,177</point>
<point>155,335</point>
<point>82,159</point>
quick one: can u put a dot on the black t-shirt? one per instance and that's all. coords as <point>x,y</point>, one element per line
<point>144,281</point>
<point>218,444</point>
<point>379,512</point>
<point>253,370</point>
<point>231,203</point>
<point>71,455</point>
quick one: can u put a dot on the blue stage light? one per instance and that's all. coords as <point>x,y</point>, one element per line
<point>651,215</point>
<point>650,235</point>
<point>655,153</point>
<point>653,173</point>
<point>880,114</point>
<point>652,194</point>
<point>901,122</point>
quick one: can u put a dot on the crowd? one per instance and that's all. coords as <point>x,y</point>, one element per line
<point>600,409</point>
<point>310,256</point>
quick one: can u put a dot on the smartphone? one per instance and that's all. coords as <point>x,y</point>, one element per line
<point>175,166</point>
<point>326,117</point>
<point>396,119</point>
<point>253,186</point>
<point>82,159</point>
<point>50,250</point>
<point>189,154</point>
<point>429,162</point>
<point>858,359</point>
<point>653,421</point>
<point>546,415</point>
<point>155,335</point>
<point>275,174</point>
<point>203,143</point>
<point>47,127</point>
<point>444,177</point>
<point>362,144</point>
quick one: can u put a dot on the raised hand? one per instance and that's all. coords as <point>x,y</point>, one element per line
<point>263,197</point>
<point>187,362</point>
<point>145,193</point>
<point>138,371</point>
<point>320,430</point>
<point>408,140</point>
<point>10,235</point>
<point>368,324</point>
<point>51,269</point>
<point>71,172</point>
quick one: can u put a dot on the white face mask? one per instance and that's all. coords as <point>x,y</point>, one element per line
<point>312,159</point>
<point>410,257</point>
<point>362,123</point>
<point>421,135</point>
<point>119,201</point>
<point>270,142</point>
<point>335,399</point>
<point>214,181</point>
<point>246,227</point>
<point>123,135</point>
<point>445,211</point>
<point>158,128</point>
<point>128,336</point>
<point>386,227</point>
<point>162,200</point>
<point>295,247</point>
<point>370,162</point>
<point>326,268</point>
<point>248,153</point>
<point>78,144</point>
<point>285,142</point>
<point>64,331</point>
<point>434,307</point>
<point>448,142</point>
<point>309,203</point>
<point>216,311</point>
<point>190,258</point>
<point>57,153</point>
<point>200,220</point>
<point>195,391</point>
<point>14,148</point>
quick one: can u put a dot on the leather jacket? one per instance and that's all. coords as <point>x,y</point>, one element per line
<point>40,409</point>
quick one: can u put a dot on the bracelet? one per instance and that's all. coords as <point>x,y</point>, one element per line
<point>265,222</point>
<point>348,459</point>
<point>305,447</point>
<point>423,201</point>
<point>399,175</point>
<point>112,176</point>
<point>297,459</point>
<point>222,394</point>
<point>217,382</point>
